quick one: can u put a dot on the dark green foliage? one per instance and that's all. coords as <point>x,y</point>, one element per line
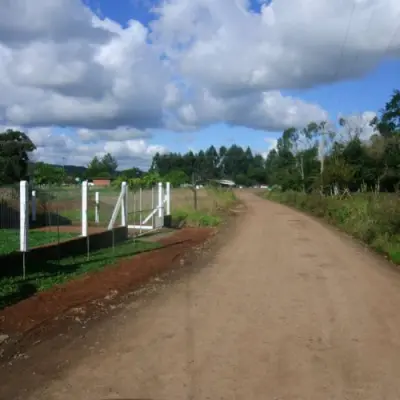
<point>15,147</point>
<point>236,163</point>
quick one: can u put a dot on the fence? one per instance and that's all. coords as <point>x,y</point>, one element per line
<point>53,215</point>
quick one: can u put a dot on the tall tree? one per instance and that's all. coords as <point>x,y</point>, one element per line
<point>388,123</point>
<point>110,164</point>
<point>15,147</point>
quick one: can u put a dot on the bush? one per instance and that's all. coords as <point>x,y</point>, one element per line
<point>374,219</point>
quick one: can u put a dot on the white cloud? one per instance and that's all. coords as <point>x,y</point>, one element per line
<point>271,144</point>
<point>266,110</point>
<point>357,125</point>
<point>67,148</point>
<point>231,51</point>
<point>206,61</point>
<point>119,134</point>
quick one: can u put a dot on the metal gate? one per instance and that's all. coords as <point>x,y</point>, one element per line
<point>143,209</point>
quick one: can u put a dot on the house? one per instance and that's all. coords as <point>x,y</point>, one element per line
<point>225,183</point>
<point>102,182</point>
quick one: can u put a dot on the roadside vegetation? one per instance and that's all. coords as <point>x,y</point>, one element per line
<point>206,207</point>
<point>373,219</point>
<point>340,175</point>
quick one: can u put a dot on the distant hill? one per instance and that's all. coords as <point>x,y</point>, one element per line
<point>72,170</point>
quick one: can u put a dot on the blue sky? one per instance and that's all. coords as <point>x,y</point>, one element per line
<point>124,80</point>
<point>368,93</point>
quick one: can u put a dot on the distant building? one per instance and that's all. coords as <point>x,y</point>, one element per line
<point>225,182</point>
<point>103,182</point>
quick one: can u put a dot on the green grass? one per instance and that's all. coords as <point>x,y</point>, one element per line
<point>9,239</point>
<point>44,277</point>
<point>212,205</point>
<point>374,219</point>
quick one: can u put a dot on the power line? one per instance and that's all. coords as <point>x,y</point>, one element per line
<point>367,30</point>
<point>387,47</point>
<point>345,39</point>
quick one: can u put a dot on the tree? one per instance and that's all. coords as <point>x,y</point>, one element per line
<point>388,123</point>
<point>109,164</point>
<point>132,173</point>
<point>15,147</point>
<point>177,178</point>
<point>95,168</point>
<point>47,174</point>
<point>104,167</point>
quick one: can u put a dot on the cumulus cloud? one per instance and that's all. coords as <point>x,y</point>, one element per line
<point>266,110</point>
<point>199,62</point>
<point>128,146</point>
<point>357,125</point>
<point>119,134</point>
<point>65,66</point>
<point>226,47</point>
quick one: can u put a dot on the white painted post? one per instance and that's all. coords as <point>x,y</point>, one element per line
<point>160,200</point>
<point>84,218</point>
<point>140,210</point>
<point>97,206</point>
<point>152,206</point>
<point>23,208</point>
<point>33,205</point>
<point>23,223</point>
<point>168,198</point>
<point>124,204</point>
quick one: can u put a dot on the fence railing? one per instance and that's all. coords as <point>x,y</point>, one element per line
<point>66,212</point>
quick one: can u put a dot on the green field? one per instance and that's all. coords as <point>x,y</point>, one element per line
<point>9,239</point>
<point>45,276</point>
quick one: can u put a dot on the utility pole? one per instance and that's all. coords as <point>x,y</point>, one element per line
<point>194,189</point>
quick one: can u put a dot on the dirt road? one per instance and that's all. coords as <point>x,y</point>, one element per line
<point>288,309</point>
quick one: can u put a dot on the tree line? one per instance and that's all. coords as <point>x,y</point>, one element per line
<point>317,157</point>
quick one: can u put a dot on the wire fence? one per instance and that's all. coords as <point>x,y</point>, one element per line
<point>61,238</point>
<point>57,207</point>
<point>141,208</point>
<point>55,215</point>
<point>9,218</point>
<point>101,204</point>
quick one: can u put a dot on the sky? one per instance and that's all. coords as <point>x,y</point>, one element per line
<point>136,77</point>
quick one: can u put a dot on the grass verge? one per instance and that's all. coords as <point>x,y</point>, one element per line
<point>212,204</point>
<point>374,219</point>
<point>9,239</point>
<point>43,277</point>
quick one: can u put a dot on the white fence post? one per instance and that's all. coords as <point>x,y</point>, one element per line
<point>140,209</point>
<point>33,205</point>
<point>97,206</point>
<point>168,198</point>
<point>84,218</point>
<point>23,208</point>
<point>124,204</point>
<point>23,222</point>
<point>160,200</point>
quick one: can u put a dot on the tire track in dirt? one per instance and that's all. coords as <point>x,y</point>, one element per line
<point>287,309</point>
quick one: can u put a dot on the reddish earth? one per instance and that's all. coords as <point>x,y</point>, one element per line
<point>40,314</point>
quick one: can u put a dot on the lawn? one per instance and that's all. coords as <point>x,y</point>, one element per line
<point>43,277</point>
<point>9,239</point>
